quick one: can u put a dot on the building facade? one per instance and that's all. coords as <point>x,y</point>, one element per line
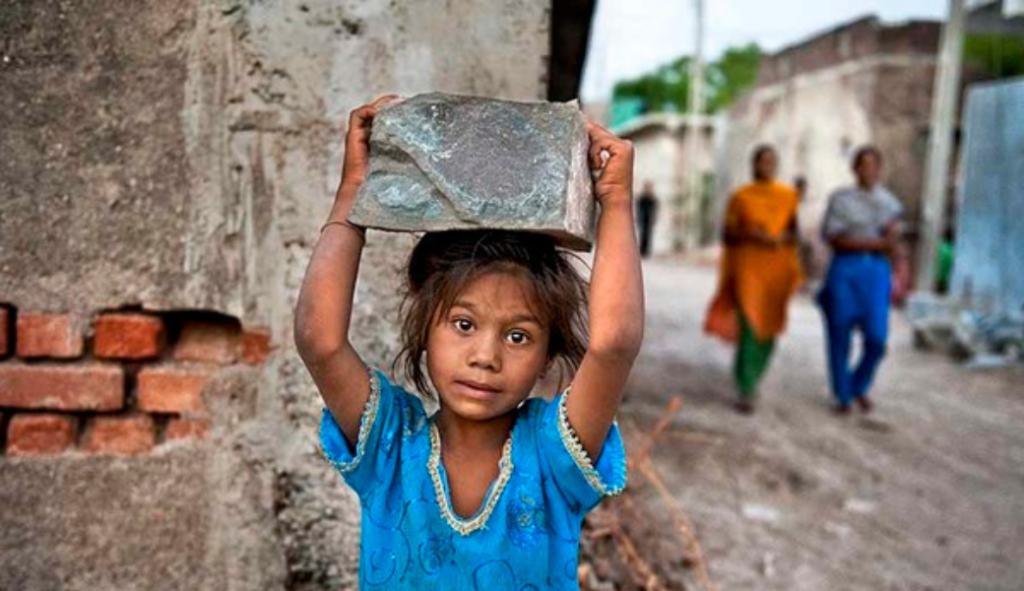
<point>666,157</point>
<point>863,82</point>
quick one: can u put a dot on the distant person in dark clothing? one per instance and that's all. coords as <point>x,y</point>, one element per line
<point>800,184</point>
<point>805,248</point>
<point>647,213</point>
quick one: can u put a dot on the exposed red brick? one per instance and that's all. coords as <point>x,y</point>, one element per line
<point>209,342</point>
<point>128,336</point>
<point>5,316</point>
<point>39,435</point>
<point>48,335</point>
<point>124,435</point>
<point>255,346</point>
<point>184,428</point>
<point>90,386</point>
<point>172,389</point>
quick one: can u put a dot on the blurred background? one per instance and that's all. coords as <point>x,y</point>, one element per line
<point>165,167</point>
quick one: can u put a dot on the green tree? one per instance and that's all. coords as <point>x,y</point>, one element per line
<point>667,89</point>
<point>998,56</point>
<point>731,75</point>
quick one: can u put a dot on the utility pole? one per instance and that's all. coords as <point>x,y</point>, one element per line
<point>694,131</point>
<point>945,111</point>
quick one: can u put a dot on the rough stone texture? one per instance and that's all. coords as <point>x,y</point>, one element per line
<point>74,517</point>
<point>184,517</point>
<point>95,166</point>
<point>180,155</point>
<point>444,162</point>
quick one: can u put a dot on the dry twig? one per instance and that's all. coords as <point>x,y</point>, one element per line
<point>607,521</point>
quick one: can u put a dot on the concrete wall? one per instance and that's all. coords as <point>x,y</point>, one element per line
<point>180,156</point>
<point>662,157</point>
<point>656,154</point>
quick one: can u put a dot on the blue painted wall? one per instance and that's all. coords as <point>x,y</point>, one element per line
<point>988,271</point>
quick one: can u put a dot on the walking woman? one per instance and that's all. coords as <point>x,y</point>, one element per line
<point>862,225</point>
<point>760,270</point>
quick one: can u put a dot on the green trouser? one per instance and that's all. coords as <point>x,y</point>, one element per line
<point>752,356</point>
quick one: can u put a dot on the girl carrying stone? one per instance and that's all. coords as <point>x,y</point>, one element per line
<point>491,490</point>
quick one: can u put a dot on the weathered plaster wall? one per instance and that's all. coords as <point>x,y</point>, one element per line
<point>181,155</point>
<point>662,156</point>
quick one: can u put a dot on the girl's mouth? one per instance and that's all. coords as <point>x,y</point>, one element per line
<point>476,389</point>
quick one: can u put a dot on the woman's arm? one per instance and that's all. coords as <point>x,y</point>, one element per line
<point>791,237</point>
<point>757,236</point>
<point>616,297</point>
<point>324,309</point>
<point>734,232</point>
<point>883,245</point>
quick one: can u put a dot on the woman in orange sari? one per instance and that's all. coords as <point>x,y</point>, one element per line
<point>760,270</point>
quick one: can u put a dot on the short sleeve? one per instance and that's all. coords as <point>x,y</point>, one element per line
<point>833,225</point>
<point>893,209</point>
<point>576,478</point>
<point>375,459</point>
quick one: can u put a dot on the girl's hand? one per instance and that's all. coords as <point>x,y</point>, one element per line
<point>357,143</point>
<point>613,157</point>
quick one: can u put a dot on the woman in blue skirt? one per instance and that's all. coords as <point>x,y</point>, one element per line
<point>862,225</point>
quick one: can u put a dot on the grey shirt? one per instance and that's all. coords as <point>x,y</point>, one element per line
<point>861,214</point>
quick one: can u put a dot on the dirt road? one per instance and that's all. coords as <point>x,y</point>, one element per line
<point>926,494</point>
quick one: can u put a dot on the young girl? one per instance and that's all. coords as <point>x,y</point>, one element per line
<point>489,492</point>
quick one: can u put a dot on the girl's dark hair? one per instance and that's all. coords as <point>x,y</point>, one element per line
<point>443,263</point>
<point>865,151</point>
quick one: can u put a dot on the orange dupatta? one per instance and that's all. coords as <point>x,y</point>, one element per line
<point>756,280</point>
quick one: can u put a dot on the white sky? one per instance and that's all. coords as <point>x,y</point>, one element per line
<point>630,37</point>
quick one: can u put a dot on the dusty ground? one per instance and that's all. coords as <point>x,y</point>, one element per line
<point>926,494</point>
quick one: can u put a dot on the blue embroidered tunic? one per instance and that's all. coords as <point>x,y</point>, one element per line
<point>525,536</point>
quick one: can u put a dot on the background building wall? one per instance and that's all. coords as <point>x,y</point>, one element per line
<point>816,102</point>
<point>662,156</point>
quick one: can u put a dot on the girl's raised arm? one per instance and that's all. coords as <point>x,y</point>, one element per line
<point>324,309</point>
<point>616,296</point>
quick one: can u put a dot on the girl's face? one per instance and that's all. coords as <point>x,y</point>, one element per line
<point>485,356</point>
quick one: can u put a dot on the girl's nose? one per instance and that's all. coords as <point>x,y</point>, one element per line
<point>486,354</point>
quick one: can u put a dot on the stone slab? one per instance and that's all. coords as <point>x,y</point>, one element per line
<point>448,162</point>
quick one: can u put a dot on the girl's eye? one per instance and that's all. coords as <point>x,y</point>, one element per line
<point>518,337</point>
<point>463,325</point>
